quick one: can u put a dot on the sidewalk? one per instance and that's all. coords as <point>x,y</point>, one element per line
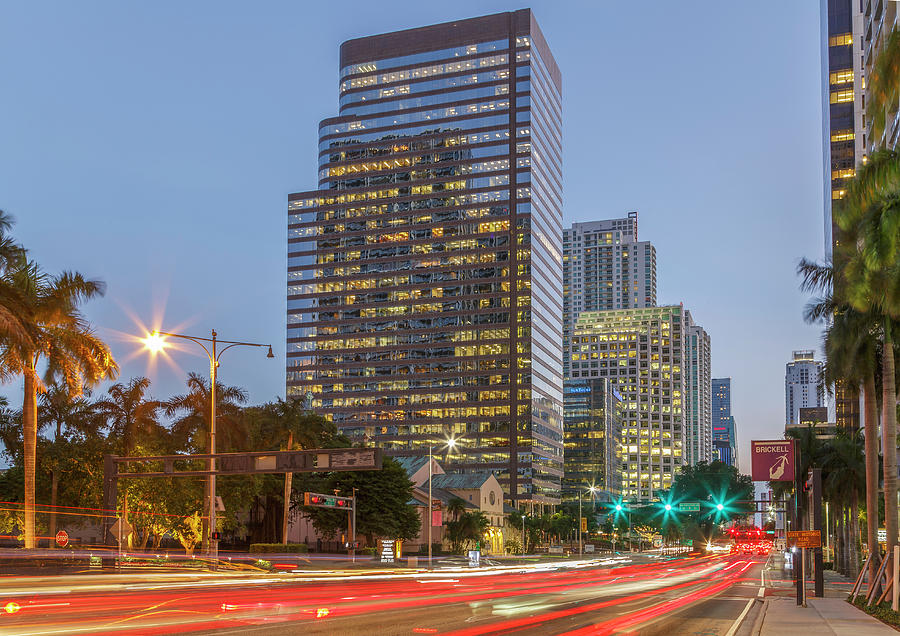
<point>823,616</point>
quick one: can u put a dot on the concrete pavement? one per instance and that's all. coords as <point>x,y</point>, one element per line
<point>822,617</point>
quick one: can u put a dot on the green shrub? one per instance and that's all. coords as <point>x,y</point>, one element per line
<point>279,548</point>
<point>882,612</point>
<point>366,551</point>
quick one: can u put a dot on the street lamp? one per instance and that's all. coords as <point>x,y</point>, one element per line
<point>155,342</point>
<point>451,444</point>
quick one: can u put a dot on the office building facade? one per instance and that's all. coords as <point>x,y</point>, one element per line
<point>424,273</point>
<point>878,18</point>
<point>646,355</point>
<point>723,428</point>
<point>803,386</point>
<point>605,267</point>
<point>698,395</point>
<point>844,134</point>
<point>592,415</point>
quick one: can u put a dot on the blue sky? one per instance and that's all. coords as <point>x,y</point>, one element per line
<point>153,145</point>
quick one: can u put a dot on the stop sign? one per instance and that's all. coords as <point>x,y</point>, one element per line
<point>62,538</point>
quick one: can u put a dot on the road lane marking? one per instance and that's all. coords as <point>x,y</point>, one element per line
<point>737,623</point>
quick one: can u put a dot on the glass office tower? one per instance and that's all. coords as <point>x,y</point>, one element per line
<point>592,412</point>
<point>425,273</point>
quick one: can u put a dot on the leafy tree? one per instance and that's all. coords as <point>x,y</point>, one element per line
<point>59,338</point>
<point>382,499</point>
<point>466,530</point>
<point>710,483</point>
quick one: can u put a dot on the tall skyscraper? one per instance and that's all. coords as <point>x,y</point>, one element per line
<point>425,273</point>
<point>593,440</point>
<point>698,394</point>
<point>647,354</point>
<point>841,41</point>
<point>842,56</point>
<point>802,385</point>
<point>723,428</point>
<point>605,267</point>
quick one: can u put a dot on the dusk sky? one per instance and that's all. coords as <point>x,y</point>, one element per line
<point>153,146</point>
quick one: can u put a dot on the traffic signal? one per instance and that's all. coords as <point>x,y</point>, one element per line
<point>327,501</point>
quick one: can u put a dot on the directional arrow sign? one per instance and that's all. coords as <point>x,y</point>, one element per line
<point>689,506</point>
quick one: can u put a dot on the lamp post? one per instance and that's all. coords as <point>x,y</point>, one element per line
<point>579,525</point>
<point>451,444</point>
<point>430,520</point>
<point>156,341</point>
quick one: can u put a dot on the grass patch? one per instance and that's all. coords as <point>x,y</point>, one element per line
<point>882,612</point>
<point>278,548</point>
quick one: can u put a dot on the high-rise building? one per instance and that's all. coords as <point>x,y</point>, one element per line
<point>647,354</point>
<point>425,272</point>
<point>697,395</point>
<point>605,267</point>
<point>723,428</point>
<point>843,59</point>
<point>841,43</point>
<point>877,19</point>
<point>592,412</point>
<point>802,385</point>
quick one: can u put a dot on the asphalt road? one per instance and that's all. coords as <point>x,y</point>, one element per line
<point>698,596</point>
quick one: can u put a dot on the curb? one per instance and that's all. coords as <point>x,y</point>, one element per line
<point>757,624</point>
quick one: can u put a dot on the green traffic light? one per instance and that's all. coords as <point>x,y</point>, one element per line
<point>720,507</point>
<point>668,507</point>
<point>618,507</point>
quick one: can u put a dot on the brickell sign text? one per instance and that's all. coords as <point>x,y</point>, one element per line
<point>772,460</point>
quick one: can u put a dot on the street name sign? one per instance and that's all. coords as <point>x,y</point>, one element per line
<point>689,506</point>
<point>772,460</point>
<point>805,538</point>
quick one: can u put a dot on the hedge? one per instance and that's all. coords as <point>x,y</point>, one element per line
<point>279,548</point>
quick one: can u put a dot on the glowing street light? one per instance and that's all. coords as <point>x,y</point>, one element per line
<point>156,342</point>
<point>451,444</point>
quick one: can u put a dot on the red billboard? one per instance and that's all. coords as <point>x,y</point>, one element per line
<point>772,460</point>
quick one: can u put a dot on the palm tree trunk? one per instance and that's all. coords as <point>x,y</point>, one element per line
<point>854,533</point>
<point>841,546</point>
<point>870,414</point>
<point>29,429</point>
<point>889,438</point>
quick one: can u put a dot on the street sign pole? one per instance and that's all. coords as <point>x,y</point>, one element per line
<point>802,580</point>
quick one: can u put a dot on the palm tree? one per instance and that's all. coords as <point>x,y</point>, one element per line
<point>192,428</point>
<point>67,415</point>
<point>844,465</point>
<point>871,277</point>
<point>59,338</point>
<point>852,356</point>
<point>131,416</point>
<point>13,329</point>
